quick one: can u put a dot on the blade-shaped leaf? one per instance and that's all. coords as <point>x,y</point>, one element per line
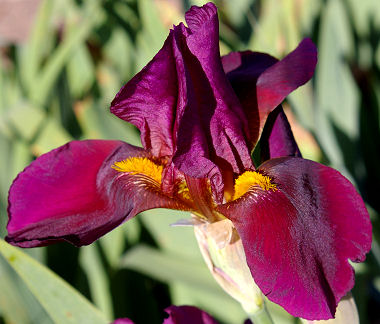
<point>91,263</point>
<point>167,267</point>
<point>17,304</point>
<point>61,302</point>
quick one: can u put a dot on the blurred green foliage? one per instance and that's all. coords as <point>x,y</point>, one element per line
<point>57,86</point>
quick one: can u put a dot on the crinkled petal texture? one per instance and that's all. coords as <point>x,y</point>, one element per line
<point>277,139</point>
<point>187,315</point>
<point>184,105</point>
<point>298,238</point>
<point>262,82</point>
<point>73,194</point>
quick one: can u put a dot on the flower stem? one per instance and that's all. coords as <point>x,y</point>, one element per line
<point>260,317</point>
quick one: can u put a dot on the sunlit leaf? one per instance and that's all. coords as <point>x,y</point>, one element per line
<point>170,238</point>
<point>169,267</point>
<point>51,136</point>
<point>337,94</point>
<point>91,263</point>
<point>49,74</point>
<point>80,70</point>
<point>113,245</point>
<point>153,34</point>
<point>61,302</point>
<point>25,114</point>
<point>32,53</point>
<point>17,304</point>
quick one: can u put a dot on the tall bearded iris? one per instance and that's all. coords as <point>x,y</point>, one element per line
<point>200,117</point>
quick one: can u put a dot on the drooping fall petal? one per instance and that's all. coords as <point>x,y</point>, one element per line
<point>73,194</point>
<point>187,315</point>
<point>277,138</point>
<point>200,121</point>
<point>299,233</point>
<point>262,83</point>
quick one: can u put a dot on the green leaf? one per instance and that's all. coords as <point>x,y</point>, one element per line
<point>24,114</point>
<point>17,304</point>
<point>119,51</point>
<point>62,303</point>
<point>81,72</point>
<point>276,31</point>
<point>91,263</point>
<point>113,245</point>
<point>153,35</point>
<point>336,92</point>
<point>172,239</point>
<point>32,53</point>
<point>50,137</point>
<point>97,122</point>
<point>169,267</point>
<point>237,10</point>
<point>220,305</point>
<point>365,15</point>
<point>43,85</point>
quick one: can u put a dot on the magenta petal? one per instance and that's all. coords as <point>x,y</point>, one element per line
<point>298,239</point>
<point>149,101</point>
<point>73,194</point>
<point>187,315</point>
<point>294,70</point>
<point>277,138</point>
<point>210,124</point>
<point>261,82</point>
<point>243,69</point>
<point>123,321</point>
<point>184,105</point>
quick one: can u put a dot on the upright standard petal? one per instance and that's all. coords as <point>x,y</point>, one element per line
<point>187,315</point>
<point>277,139</point>
<point>210,126</point>
<point>298,232</point>
<point>149,100</point>
<point>183,102</point>
<point>262,83</point>
<point>72,194</point>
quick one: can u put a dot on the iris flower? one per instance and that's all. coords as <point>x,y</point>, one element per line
<point>200,116</point>
<point>181,315</point>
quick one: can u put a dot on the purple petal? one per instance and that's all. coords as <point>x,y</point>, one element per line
<point>243,69</point>
<point>122,321</point>
<point>149,101</point>
<point>262,82</point>
<point>72,194</point>
<point>298,238</point>
<point>294,70</point>
<point>187,315</point>
<point>277,139</point>
<point>212,129</point>
<point>182,98</point>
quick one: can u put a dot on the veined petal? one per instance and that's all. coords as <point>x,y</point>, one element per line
<point>294,70</point>
<point>73,194</point>
<point>262,82</point>
<point>211,129</point>
<point>299,236</point>
<point>187,315</point>
<point>149,101</point>
<point>277,139</point>
<point>242,70</point>
<point>185,107</point>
